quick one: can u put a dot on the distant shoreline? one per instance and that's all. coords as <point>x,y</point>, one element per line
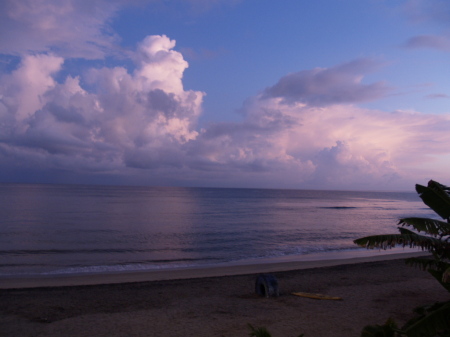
<point>232,269</point>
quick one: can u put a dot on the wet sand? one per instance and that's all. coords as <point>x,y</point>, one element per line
<point>218,301</point>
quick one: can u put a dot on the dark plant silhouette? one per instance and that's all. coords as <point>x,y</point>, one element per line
<point>261,332</point>
<point>386,330</point>
<point>432,320</point>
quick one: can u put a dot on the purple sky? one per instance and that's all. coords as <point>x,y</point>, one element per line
<point>275,94</point>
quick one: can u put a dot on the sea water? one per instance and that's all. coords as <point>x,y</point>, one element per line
<point>64,229</point>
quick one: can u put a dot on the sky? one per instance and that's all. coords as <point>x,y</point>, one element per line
<point>324,94</point>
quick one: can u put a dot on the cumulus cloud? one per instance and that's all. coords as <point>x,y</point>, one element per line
<point>22,90</point>
<point>292,139</point>
<point>338,146</point>
<point>128,120</point>
<point>305,131</point>
<point>326,86</point>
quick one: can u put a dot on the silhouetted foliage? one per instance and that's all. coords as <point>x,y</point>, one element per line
<point>431,320</point>
<point>261,332</point>
<point>386,330</point>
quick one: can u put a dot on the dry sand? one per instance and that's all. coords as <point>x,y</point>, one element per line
<point>219,305</point>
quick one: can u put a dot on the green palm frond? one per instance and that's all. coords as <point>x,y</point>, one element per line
<point>435,321</point>
<point>391,240</point>
<point>436,196</point>
<point>429,226</point>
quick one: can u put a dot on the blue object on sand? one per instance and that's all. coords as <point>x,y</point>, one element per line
<point>267,285</point>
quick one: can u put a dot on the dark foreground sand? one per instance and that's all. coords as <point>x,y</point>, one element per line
<point>223,306</point>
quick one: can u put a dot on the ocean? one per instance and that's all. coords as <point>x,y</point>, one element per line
<point>75,229</point>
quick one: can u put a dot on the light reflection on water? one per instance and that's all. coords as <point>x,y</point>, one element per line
<point>61,228</point>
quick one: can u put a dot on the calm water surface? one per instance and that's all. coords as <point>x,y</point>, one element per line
<point>74,229</point>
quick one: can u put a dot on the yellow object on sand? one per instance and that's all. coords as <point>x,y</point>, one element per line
<point>317,296</point>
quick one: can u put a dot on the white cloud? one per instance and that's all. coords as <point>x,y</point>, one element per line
<point>23,90</point>
<point>127,115</point>
<point>154,54</point>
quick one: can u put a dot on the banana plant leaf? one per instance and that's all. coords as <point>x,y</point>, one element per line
<point>407,239</point>
<point>424,263</point>
<point>386,330</point>
<point>446,276</point>
<point>427,225</point>
<point>406,231</point>
<point>434,322</point>
<point>439,275</point>
<point>436,196</point>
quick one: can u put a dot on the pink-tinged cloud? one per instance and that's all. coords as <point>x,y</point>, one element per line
<point>335,146</point>
<point>69,28</point>
<point>429,41</point>
<point>341,84</point>
<point>128,120</point>
<point>140,126</point>
<point>427,10</point>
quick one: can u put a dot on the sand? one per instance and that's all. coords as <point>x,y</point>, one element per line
<point>202,303</point>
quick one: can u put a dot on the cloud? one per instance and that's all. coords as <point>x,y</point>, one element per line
<point>198,7</point>
<point>140,126</point>
<point>437,96</point>
<point>125,118</point>
<point>71,28</point>
<point>337,146</point>
<point>24,89</point>
<point>436,12</point>
<point>326,86</point>
<point>427,10</point>
<point>429,41</point>
<point>67,28</point>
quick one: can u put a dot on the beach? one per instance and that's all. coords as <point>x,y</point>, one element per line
<point>218,301</point>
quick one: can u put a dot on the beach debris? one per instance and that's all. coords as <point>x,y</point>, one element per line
<point>267,285</point>
<point>317,296</point>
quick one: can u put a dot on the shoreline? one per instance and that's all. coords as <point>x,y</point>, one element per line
<point>235,269</point>
<point>203,305</point>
